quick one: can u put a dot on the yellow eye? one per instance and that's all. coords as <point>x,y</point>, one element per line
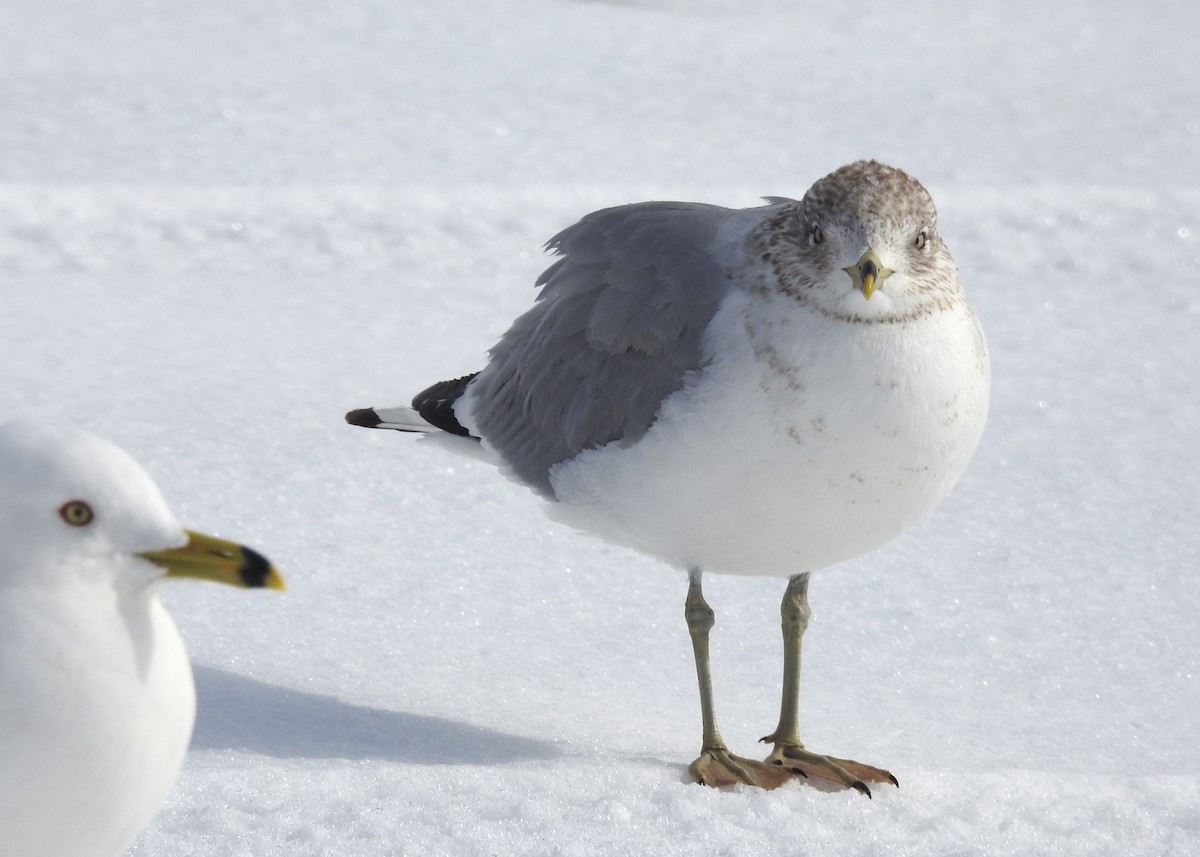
<point>77,513</point>
<point>922,237</point>
<point>816,236</point>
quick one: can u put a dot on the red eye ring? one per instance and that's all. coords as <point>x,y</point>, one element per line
<point>77,513</point>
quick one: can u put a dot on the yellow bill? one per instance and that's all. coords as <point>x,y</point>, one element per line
<point>209,558</point>
<point>868,273</point>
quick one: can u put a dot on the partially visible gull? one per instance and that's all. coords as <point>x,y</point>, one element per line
<point>96,692</point>
<point>763,391</point>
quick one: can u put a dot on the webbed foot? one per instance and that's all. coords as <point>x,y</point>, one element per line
<point>717,767</point>
<point>843,773</point>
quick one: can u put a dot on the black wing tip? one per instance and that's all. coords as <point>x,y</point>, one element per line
<point>436,404</point>
<point>365,417</point>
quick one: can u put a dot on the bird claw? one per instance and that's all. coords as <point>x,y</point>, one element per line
<point>841,773</point>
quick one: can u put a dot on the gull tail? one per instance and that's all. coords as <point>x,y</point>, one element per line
<point>432,409</point>
<point>397,419</point>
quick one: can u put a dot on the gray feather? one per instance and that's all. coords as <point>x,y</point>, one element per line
<point>616,328</point>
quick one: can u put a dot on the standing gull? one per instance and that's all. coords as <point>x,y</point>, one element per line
<point>763,391</point>
<point>96,692</point>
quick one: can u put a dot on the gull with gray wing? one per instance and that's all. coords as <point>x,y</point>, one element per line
<point>766,391</point>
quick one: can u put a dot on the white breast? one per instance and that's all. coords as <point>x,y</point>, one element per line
<point>804,445</point>
<point>97,710</point>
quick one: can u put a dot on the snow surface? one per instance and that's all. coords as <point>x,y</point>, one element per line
<point>224,223</point>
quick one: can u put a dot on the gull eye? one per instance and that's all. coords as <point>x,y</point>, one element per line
<point>922,237</point>
<point>815,236</point>
<point>76,513</point>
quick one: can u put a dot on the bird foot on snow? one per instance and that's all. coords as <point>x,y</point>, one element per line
<point>717,767</point>
<point>841,773</point>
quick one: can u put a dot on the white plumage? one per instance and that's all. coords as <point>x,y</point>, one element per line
<point>96,693</point>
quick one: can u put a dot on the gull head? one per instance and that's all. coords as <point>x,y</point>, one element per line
<point>73,505</point>
<point>861,245</point>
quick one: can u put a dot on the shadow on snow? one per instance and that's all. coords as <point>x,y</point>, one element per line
<point>236,712</point>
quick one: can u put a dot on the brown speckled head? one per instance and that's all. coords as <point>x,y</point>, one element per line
<point>812,247</point>
<point>870,192</point>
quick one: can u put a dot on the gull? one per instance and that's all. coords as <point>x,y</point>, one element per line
<point>765,391</point>
<point>96,694</point>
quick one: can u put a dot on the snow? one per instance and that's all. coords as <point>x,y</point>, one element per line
<point>224,224</point>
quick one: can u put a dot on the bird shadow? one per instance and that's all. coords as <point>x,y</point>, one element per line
<point>234,712</point>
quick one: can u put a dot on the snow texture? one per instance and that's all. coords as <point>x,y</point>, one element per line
<point>223,224</point>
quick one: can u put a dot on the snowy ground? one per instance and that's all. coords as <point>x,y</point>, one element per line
<point>223,224</point>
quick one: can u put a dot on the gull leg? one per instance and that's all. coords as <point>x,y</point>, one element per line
<point>716,766</point>
<point>789,752</point>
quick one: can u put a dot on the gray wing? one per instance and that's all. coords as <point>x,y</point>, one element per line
<point>616,328</point>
